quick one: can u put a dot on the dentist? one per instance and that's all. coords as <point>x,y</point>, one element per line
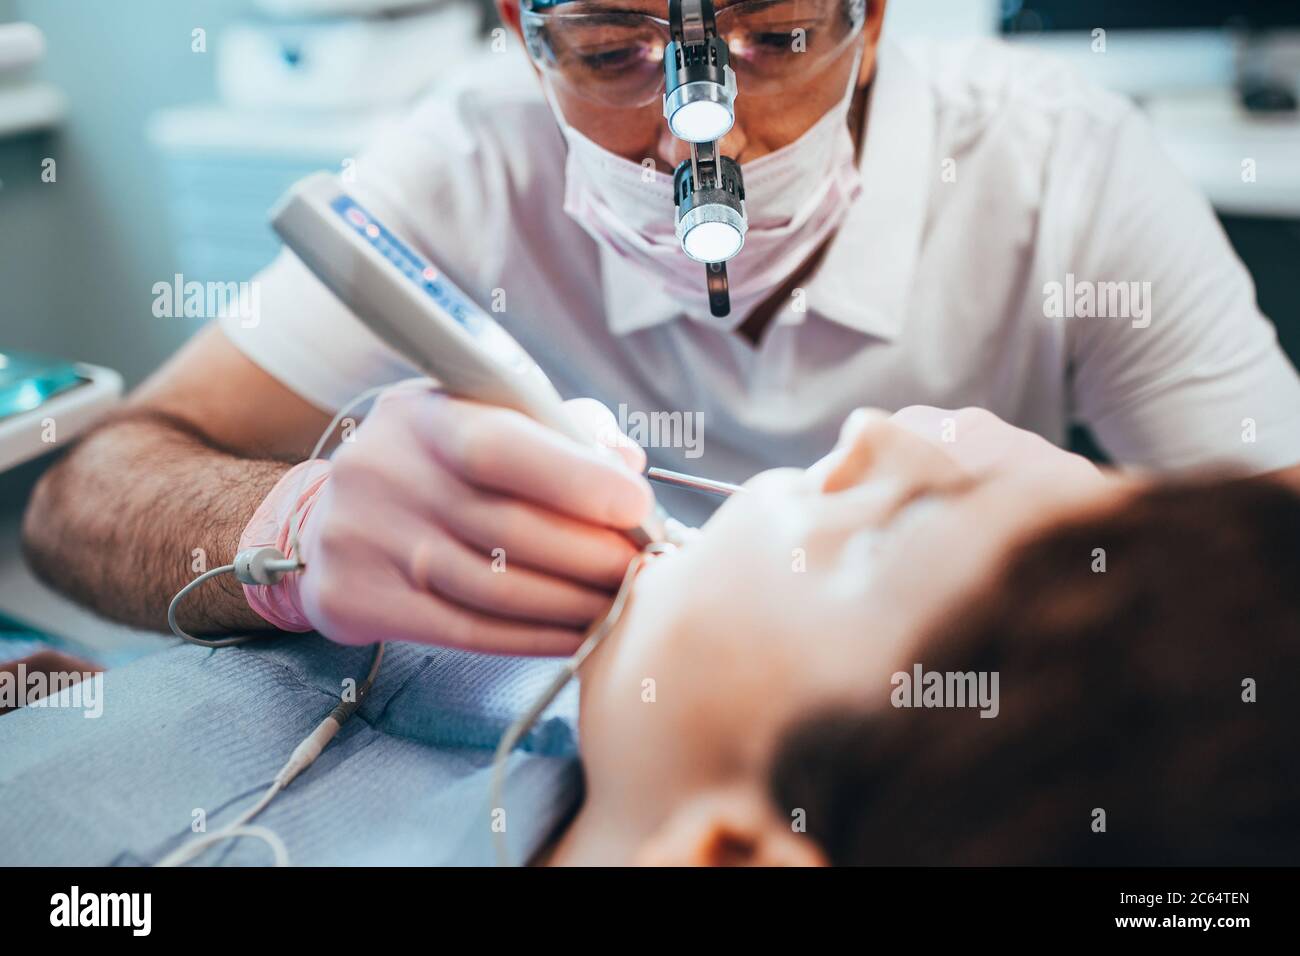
<point>904,225</point>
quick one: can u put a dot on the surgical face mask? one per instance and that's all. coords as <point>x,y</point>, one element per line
<point>795,198</point>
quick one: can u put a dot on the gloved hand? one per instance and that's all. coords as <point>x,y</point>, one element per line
<point>451,522</point>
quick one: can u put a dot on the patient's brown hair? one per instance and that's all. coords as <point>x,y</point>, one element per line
<point>1120,691</point>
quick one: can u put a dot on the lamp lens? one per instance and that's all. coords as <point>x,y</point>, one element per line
<point>712,242</point>
<point>700,121</point>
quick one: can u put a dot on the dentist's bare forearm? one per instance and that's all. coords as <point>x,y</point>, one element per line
<point>135,510</point>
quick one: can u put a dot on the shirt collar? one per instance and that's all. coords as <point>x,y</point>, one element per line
<point>863,282</point>
<point>865,278</point>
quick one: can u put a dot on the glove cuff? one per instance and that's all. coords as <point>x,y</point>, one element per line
<point>290,500</point>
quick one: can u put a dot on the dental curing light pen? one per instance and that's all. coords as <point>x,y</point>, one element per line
<point>404,299</point>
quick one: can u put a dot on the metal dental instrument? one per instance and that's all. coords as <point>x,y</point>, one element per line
<point>722,489</point>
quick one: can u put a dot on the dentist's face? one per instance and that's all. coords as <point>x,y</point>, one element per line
<point>794,60</point>
<point>810,589</point>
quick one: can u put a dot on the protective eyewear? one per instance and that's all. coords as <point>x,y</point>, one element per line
<point>616,56</point>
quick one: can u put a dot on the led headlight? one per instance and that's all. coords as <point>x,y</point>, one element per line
<point>699,85</point>
<point>710,214</point>
<point>700,111</point>
<point>699,105</point>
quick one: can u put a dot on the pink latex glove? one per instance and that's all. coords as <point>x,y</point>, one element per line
<point>450,522</point>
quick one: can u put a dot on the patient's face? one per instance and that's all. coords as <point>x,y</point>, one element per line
<point>811,588</point>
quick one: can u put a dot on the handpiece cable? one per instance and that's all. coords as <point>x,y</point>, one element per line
<point>268,566</point>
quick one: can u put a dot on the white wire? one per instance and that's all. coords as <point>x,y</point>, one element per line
<point>298,761</point>
<point>233,829</point>
<point>180,596</point>
<point>515,732</point>
<point>301,758</point>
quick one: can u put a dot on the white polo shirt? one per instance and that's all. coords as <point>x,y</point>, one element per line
<point>1009,211</point>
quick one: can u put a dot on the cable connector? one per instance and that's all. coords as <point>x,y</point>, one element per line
<point>263,565</point>
<point>306,752</point>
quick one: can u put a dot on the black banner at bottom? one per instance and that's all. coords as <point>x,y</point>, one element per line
<point>210,906</point>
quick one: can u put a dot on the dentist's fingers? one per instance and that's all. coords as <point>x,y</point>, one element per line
<point>449,522</point>
<point>598,421</point>
<point>474,581</point>
<point>423,617</point>
<point>501,450</point>
<point>532,537</point>
<point>527,534</point>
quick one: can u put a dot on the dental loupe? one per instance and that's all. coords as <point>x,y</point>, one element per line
<point>699,105</point>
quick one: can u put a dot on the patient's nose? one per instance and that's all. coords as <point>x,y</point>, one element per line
<point>873,448</point>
